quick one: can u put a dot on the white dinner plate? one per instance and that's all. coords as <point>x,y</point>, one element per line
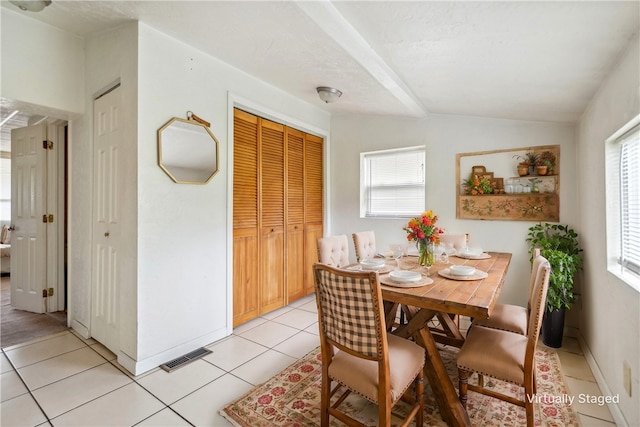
<point>404,276</point>
<point>477,275</point>
<point>482,255</point>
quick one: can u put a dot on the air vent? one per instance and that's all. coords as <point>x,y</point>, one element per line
<point>183,360</point>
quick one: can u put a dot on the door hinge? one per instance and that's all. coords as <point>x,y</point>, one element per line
<point>50,292</point>
<point>47,218</point>
<point>47,292</point>
<point>44,293</point>
<point>47,145</point>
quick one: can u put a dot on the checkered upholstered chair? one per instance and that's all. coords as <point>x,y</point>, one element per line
<point>506,355</point>
<point>334,250</point>
<point>357,353</point>
<point>365,244</point>
<point>509,317</point>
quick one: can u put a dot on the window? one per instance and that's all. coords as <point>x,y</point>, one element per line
<point>392,183</point>
<point>623,201</point>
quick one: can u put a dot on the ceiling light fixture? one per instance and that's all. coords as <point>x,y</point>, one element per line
<point>328,94</point>
<point>31,5</point>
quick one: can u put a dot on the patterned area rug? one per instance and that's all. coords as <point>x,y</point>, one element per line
<point>292,398</point>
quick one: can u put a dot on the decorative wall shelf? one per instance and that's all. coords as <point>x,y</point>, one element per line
<point>517,203</point>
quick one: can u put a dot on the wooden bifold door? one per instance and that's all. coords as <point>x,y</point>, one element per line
<point>277,214</point>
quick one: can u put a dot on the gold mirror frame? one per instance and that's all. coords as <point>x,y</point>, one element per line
<point>187,151</point>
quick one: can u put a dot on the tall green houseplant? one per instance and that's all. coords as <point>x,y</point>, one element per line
<point>560,246</point>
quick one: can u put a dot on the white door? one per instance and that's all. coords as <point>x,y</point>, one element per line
<point>29,217</point>
<point>107,188</point>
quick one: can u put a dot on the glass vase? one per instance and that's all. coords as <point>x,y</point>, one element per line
<point>426,250</point>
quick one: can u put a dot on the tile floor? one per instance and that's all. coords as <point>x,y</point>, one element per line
<point>63,380</point>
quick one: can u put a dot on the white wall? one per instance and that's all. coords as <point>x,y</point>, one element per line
<point>444,137</point>
<point>183,234</point>
<point>611,312</point>
<point>176,253</point>
<point>41,65</point>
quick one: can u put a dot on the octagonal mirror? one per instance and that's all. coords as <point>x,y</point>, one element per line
<point>187,151</point>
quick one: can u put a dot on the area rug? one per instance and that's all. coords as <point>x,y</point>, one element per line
<point>292,398</point>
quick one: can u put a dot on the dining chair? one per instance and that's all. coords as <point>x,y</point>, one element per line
<point>510,317</point>
<point>358,354</point>
<point>365,244</point>
<point>334,250</point>
<point>505,355</point>
<point>459,241</point>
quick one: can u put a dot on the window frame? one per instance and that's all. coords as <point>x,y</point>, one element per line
<point>365,192</point>
<point>614,211</point>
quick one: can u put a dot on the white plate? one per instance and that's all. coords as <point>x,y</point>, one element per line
<point>461,270</point>
<point>477,275</point>
<point>404,276</point>
<point>372,264</point>
<point>483,255</point>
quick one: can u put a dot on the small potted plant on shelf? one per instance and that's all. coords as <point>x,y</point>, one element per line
<point>559,245</point>
<point>523,165</point>
<point>542,166</point>
<point>532,158</point>
<point>548,159</point>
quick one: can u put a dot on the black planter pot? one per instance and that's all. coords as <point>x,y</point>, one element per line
<point>553,328</point>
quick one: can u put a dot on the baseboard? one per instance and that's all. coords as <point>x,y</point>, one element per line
<point>616,413</point>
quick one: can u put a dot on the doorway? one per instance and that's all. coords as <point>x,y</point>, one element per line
<point>18,325</point>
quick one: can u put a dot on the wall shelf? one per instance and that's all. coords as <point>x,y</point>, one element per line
<point>510,205</point>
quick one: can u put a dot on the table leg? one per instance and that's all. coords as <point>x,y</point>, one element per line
<point>450,407</point>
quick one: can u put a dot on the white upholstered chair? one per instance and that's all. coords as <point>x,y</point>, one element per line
<point>509,317</point>
<point>375,364</point>
<point>365,245</point>
<point>505,355</point>
<point>459,241</point>
<point>334,250</point>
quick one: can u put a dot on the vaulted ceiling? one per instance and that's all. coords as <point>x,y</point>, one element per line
<point>528,60</point>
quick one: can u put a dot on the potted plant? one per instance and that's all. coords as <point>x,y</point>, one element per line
<point>532,158</point>
<point>523,165</point>
<point>543,166</point>
<point>548,159</point>
<point>560,246</point>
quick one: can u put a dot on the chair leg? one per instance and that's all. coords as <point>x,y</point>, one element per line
<point>420,398</point>
<point>529,387</point>
<point>325,399</point>
<point>463,383</point>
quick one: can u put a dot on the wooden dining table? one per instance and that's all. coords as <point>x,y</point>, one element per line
<point>444,300</point>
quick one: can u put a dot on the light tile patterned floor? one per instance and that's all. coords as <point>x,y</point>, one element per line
<point>63,380</point>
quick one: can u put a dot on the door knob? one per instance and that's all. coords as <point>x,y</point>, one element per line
<point>12,227</point>
<point>106,234</point>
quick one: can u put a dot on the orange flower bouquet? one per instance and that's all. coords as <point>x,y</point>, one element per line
<point>424,232</point>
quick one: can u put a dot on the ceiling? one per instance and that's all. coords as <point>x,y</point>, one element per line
<point>535,60</point>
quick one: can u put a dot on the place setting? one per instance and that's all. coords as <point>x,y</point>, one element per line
<point>472,253</point>
<point>462,272</point>
<point>372,264</point>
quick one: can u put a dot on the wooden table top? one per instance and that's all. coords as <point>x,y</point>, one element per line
<point>474,298</point>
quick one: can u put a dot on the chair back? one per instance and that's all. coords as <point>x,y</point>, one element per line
<point>365,244</point>
<point>459,241</point>
<point>537,260</point>
<point>538,305</point>
<point>350,311</point>
<point>334,250</point>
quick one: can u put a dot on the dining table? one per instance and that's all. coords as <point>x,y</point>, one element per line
<point>431,306</point>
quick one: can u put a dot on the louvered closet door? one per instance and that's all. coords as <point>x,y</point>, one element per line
<point>313,204</point>
<point>246,283</point>
<point>271,208</point>
<point>295,260</point>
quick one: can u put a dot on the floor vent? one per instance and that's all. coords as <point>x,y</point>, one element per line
<point>183,360</point>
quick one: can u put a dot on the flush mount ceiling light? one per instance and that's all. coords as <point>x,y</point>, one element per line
<point>31,5</point>
<point>328,94</point>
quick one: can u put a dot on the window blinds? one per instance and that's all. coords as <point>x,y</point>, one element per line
<point>394,183</point>
<point>630,199</point>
